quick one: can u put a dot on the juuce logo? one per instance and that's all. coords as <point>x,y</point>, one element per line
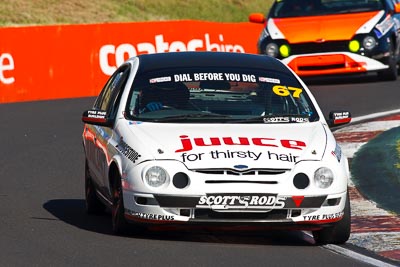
<point>188,143</point>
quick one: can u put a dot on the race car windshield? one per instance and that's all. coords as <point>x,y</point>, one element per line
<point>301,8</point>
<point>219,95</point>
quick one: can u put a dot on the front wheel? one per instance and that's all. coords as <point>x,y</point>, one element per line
<point>119,223</point>
<point>390,74</point>
<point>339,233</point>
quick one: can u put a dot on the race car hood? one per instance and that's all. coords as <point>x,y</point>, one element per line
<point>322,28</point>
<point>201,146</point>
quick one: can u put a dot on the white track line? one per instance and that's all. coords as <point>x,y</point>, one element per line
<point>352,254</point>
<point>358,256</point>
<point>375,115</point>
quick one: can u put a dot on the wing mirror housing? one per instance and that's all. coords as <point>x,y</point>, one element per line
<point>397,8</point>
<point>97,117</point>
<point>257,18</point>
<point>338,118</point>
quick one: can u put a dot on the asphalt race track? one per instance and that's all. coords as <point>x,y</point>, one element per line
<point>42,217</point>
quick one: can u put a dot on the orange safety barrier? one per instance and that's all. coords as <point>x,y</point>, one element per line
<point>68,61</point>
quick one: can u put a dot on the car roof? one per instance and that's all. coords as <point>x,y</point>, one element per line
<point>152,62</point>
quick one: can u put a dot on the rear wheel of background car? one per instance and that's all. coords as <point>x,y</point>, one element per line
<point>339,233</point>
<point>389,74</point>
<point>119,224</point>
<point>93,204</point>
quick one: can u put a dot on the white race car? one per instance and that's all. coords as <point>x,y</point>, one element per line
<point>214,138</point>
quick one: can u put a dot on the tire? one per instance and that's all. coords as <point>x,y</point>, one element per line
<point>339,233</point>
<point>93,204</point>
<point>119,224</point>
<point>390,74</point>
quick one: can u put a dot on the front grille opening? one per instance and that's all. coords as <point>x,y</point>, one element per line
<point>308,48</point>
<point>239,182</point>
<point>322,67</point>
<point>296,213</point>
<point>211,171</point>
<point>332,202</point>
<point>277,214</point>
<point>184,212</point>
<point>146,201</point>
<point>242,172</point>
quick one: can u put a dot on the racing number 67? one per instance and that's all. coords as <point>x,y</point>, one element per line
<point>282,90</point>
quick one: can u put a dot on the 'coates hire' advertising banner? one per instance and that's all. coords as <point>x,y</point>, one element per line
<point>67,61</point>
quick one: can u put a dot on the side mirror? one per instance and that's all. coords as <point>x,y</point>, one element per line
<point>338,118</point>
<point>397,8</point>
<point>257,18</point>
<point>96,117</point>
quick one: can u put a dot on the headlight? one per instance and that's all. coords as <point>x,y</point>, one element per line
<point>354,46</point>
<point>271,50</point>
<point>369,42</point>
<point>323,177</point>
<point>156,176</point>
<point>284,50</point>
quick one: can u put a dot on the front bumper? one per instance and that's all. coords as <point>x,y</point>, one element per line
<point>332,64</point>
<point>300,212</point>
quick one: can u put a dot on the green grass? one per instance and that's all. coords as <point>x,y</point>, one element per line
<point>40,12</point>
<point>378,179</point>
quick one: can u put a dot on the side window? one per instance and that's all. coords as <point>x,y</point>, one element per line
<point>110,95</point>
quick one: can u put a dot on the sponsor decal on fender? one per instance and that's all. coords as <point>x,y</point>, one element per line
<point>128,151</point>
<point>242,201</point>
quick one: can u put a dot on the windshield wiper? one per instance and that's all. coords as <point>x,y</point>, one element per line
<point>191,116</point>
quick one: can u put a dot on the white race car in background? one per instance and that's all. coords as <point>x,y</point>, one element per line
<point>214,138</point>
